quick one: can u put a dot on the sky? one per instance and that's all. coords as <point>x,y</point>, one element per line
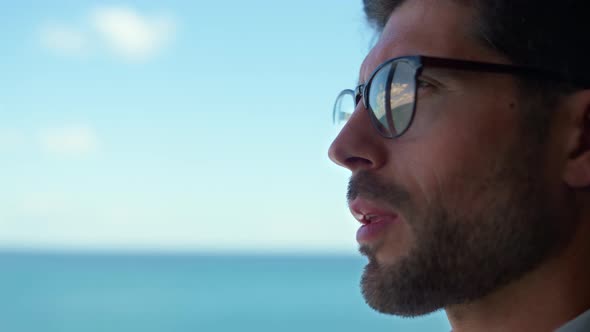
<point>177,125</point>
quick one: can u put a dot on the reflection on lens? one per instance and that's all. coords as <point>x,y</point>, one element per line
<point>377,96</point>
<point>392,110</point>
<point>402,97</point>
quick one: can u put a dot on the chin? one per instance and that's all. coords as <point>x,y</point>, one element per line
<point>385,294</point>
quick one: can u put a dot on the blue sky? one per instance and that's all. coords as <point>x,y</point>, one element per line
<point>178,125</point>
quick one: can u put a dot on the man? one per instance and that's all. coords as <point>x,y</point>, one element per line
<point>469,147</point>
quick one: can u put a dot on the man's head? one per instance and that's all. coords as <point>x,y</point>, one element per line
<point>483,186</point>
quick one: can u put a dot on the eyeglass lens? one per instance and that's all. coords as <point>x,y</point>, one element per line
<point>391,96</point>
<point>344,106</point>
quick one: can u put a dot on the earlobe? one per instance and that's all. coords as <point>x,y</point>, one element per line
<point>577,171</point>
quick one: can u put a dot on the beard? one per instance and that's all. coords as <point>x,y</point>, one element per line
<point>481,232</point>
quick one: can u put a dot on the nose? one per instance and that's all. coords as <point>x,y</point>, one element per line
<point>359,146</point>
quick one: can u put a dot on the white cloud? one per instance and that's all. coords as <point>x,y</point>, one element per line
<point>132,35</point>
<point>122,31</point>
<point>63,39</point>
<point>74,140</point>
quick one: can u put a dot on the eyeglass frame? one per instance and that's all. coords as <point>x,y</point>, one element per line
<point>418,62</point>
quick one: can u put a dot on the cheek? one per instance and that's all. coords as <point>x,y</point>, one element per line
<point>458,149</point>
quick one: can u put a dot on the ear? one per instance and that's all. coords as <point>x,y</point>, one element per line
<point>577,169</point>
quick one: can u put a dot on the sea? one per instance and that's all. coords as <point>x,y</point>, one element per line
<point>124,292</point>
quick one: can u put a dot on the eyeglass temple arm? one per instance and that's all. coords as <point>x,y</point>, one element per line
<point>505,68</point>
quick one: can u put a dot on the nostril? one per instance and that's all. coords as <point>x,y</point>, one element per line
<point>358,163</point>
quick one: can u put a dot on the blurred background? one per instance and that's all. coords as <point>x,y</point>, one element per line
<point>164,167</point>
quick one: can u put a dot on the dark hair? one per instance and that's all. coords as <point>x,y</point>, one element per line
<point>548,34</point>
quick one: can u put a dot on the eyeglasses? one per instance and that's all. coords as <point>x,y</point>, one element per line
<point>390,93</point>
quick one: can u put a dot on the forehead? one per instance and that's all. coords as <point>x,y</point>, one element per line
<point>440,28</point>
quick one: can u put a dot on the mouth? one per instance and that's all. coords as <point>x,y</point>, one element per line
<point>376,220</point>
<point>369,212</point>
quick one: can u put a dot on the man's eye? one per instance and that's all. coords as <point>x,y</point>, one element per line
<point>424,84</point>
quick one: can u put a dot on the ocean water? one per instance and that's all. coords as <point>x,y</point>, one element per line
<point>51,292</point>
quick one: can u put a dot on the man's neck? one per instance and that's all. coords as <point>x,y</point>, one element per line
<point>543,300</point>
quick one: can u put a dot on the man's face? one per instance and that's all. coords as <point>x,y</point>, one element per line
<point>460,204</point>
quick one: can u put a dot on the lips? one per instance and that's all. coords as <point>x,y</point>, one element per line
<point>375,220</point>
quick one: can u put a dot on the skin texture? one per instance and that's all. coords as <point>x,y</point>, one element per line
<point>493,217</point>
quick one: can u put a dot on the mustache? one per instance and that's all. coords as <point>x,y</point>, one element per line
<point>368,186</point>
